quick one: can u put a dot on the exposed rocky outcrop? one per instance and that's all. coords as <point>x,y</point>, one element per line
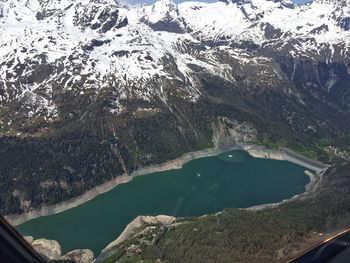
<point>79,256</point>
<point>29,239</point>
<point>50,249</point>
<point>131,229</point>
<point>229,133</point>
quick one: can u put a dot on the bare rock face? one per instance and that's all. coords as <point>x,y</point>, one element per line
<point>50,249</point>
<point>79,256</point>
<point>29,239</point>
<point>131,230</point>
<point>228,133</point>
<point>136,224</point>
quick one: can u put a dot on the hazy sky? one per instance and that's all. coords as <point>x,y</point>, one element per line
<point>300,1</point>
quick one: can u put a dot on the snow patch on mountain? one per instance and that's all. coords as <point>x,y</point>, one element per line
<point>85,47</point>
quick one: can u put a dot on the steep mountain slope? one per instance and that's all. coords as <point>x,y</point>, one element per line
<point>93,89</point>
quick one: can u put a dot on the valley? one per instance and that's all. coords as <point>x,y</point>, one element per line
<point>203,186</point>
<point>96,92</point>
<point>134,86</point>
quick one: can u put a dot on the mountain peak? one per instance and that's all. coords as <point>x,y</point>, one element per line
<point>164,6</point>
<point>166,2</point>
<point>286,3</point>
<point>82,43</point>
<point>333,2</point>
<point>164,15</point>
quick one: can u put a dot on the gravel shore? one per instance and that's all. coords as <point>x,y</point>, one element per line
<point>256,151</point>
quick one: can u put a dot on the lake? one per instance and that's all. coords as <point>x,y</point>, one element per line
<point>202,186</point>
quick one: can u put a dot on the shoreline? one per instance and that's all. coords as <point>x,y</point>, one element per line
<point>312,186</point>
<point>253,150</point>
<point>315,179</point>
<point>319,169</point>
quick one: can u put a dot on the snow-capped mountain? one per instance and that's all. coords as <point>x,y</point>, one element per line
<point>91,89</point>
<point>79,48</point>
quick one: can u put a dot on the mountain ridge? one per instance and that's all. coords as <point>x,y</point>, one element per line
<point>164,16</point>
<point>142,84</point>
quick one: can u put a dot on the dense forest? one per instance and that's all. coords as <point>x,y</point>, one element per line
<point>52,169</point>
<point>49,163</point>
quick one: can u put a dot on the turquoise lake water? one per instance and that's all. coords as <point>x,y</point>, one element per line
<point>202,186</point>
